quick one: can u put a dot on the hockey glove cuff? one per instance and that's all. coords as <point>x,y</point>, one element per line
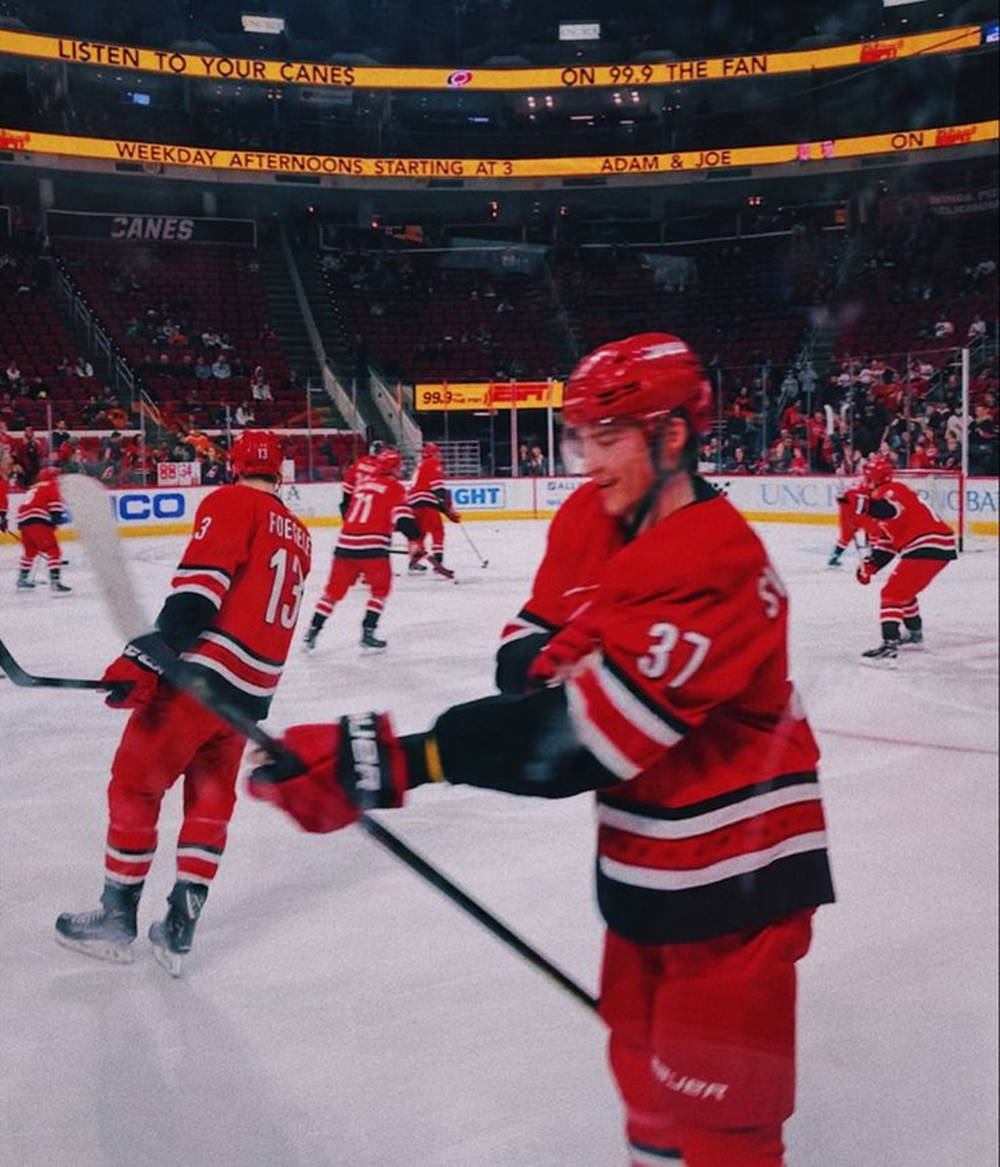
<point>557,658</point>
<point>132,679</point>
<point>354,765</point>
<point>865,571</point>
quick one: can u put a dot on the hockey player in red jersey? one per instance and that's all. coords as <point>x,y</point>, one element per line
<point>230,617</point>
<point>37,518</point>
<point>899,523</point>
<point>848,525</point>
<point>650,666</point>
<point>365,467</point>
<point>378,507</point>
<point>430,499</point>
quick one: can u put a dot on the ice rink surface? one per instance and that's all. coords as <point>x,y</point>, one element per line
<point>337,1011</point>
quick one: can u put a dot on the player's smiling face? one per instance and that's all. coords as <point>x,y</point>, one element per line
<point>617,458</point>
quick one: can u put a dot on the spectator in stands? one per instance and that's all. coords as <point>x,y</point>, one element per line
<point>7,444</point>
<point>14,378</point>
<point>523,460</point>
<point>220,368</point>
<point>83,367</point>
<point>31,455</point>
<point>110,458</point>
<point>793,419</point>
<point>943,327</point>
<point>977,328</point>
<point>983,447</point>
<point>738,464</point>
<point>213,473</point>
<point>260,390</point>
<point>60,435</point>
<point>202,370</point>
<point>950,458</point>
<point>210,338</point>
<point>244,414</point>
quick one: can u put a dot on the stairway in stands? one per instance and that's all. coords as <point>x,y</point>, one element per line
<point>350,369</point>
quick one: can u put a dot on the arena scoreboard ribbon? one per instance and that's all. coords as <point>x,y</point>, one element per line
<point>492,170</point>
<point>73,51</point>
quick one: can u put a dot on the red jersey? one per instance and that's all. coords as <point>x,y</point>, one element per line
<point>42,504</point>
<point>428,486</point>
<point>365,467</point>
<point>581,540</point>
<point>249,557</point>
<point>899,521</point>
<point>716,824</point>
<point>377,505</point>
<point>4,494</point>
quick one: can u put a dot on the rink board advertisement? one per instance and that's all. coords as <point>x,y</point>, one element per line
<point>170,510</point>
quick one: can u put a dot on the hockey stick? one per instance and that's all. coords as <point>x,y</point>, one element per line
<point>28,680</point>
<point>92,516</point>
<point>482,562</point>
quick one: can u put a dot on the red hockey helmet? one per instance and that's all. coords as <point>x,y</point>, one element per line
<point>430,450</point>
<point>637,379</point>
<point>389,461</point>
<point>48,474</point>
<point>878,469</point>
<point>257,452</point>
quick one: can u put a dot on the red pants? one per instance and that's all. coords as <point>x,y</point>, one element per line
<point>702,1042</point>
<point>38,539</point>
<point>429,523</point>
<point>898,601</point>
<point>345,573</point>
<point>171,736</point>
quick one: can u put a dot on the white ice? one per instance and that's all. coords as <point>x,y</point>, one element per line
<point>337,1011</point>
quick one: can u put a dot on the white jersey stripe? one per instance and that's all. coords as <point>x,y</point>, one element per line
<point>241,654</point>
<point>245,686</point>
<point>655,879</point>
<point>714,820</point>
<point>220,577</point>
<point>198,590</point>
<point>632,709</point>
<point>590,736</point>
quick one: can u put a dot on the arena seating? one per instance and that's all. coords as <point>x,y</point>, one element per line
<point>135,288</point>
<point>422,321</point>
<point>32,335</point>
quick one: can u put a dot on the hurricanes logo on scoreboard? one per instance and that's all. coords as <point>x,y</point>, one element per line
<point>459,78</point>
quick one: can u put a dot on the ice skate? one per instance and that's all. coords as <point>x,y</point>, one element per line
<point>885,656</point>
<point>58,588</point>
<point>912,638</point>
<point>310,639</point>
<point>834,560</point>
<point>438,567</point>
<point>23,583</point>
<point>108,932</point>
<point>372,642</point>
<point>171,937</point>
<point>415,566</point>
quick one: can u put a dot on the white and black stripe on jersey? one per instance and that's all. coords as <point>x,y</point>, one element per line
<point>934,545</point>
<point>619,722</point>
<point>525,623</point>
<point>245,678</point>
<point>724,864</point>
<point>196,579</point>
